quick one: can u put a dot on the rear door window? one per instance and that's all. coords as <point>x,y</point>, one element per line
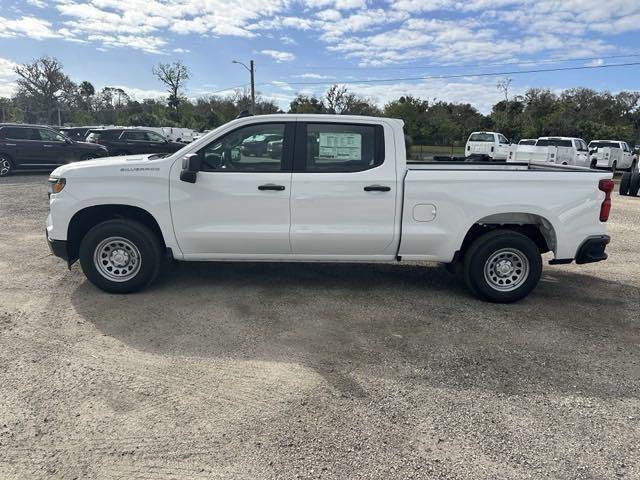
<point>136,136</point>
<point>335,147</point>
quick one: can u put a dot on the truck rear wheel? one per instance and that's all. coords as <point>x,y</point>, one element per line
<point>502,266</point>
<point>120,256</point>
<point>634,184</point>
<point>625,183</point>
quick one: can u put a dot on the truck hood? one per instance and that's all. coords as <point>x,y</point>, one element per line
<point>108,166</point>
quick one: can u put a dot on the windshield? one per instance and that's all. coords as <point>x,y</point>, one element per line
<point>481,137</point>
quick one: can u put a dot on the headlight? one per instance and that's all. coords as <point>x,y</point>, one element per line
<point>56,185</point>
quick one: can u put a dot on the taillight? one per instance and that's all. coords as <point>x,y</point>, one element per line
<point>605,185</point>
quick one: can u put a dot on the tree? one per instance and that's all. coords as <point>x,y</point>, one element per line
<point>305,104</point>
<point>43,86</point>
<point>174,76</point>
<point>339,100</point>
<point>87,90</point>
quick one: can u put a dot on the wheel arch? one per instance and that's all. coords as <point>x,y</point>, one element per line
<point>87,218</point>
<point>536,227</point>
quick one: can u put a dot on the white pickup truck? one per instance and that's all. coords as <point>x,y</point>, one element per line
<point>339,190</point>
<point>492,145</point>
<point>612,155</point>
<point>559,150</point>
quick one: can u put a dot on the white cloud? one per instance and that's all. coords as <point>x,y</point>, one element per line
<point>37,3</point>
<point>27,26</point>
<point>314,76</point>
<point>181,50</point>
<point>287,40</point>
<point>7,77</point>
<point>279,56</point>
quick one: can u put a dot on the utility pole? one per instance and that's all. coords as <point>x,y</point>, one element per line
<point>253,89</point>
<point>251,70</point>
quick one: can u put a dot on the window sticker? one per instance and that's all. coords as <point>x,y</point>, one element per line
<point>340,146</point>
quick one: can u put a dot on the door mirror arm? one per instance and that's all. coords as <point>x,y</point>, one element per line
<point>191,165</point>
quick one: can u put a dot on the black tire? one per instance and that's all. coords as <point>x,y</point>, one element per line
<point>633,167</point>
<point>6,165</point>
<point>520,253</point>
<point>634,184</point>
<point>614,167</point>
<point>120,153</point>
<point>593,164</point>
<point>132,235</point>
<point>625,182</point>
<point>87,156</point>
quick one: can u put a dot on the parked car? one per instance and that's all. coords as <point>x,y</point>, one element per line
<point>132,141</point>
<point>558,150</point>
<point>341,190</point>
<point>257,144</point>
<point>38,147</point>
<point>274,148</point>
<point>490,144</point>
<point>611,155</point>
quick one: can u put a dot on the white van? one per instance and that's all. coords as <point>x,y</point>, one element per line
<point>490,144</point>
<point>611,155</point>
<point>558,150</point>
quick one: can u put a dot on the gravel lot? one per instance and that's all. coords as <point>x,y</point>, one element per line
<point>265,371</point>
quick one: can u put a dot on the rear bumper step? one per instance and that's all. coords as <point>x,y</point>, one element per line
<point>593,249</point>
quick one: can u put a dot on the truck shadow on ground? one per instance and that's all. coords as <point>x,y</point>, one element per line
<point>409,322</point>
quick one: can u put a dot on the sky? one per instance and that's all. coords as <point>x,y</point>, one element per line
<point>303,46</point>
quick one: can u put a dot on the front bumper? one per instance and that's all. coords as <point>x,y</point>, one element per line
<point>58,248</point>
<point>593,249</point>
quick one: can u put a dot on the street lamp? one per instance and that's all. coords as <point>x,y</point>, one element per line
<point>253,89</point>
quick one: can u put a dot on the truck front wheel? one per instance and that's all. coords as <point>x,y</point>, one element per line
<point>502,266</point>
<point>120,256</point>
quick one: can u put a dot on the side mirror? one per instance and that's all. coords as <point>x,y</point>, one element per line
<point>191,165</point>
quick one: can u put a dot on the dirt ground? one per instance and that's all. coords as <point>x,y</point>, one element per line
<point>268,371</point>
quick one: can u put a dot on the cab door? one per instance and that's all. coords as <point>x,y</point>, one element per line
<point>344,191</point>
<point>239,204</point>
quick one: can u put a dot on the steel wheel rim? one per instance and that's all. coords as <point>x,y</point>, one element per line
<point>5,167</point>
<point>117,259</point>
<point>506,269</point>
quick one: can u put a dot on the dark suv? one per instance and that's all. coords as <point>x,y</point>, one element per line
<point>36,147</point>
<point>130,141</point>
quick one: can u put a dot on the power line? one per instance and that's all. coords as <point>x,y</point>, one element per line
<point>464,75</point>
<point>448,65</point>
